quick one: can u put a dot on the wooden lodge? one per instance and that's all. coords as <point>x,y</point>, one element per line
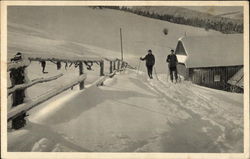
<point>210,61</point>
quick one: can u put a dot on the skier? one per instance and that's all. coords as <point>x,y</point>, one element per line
<point>150,61</point>
<point>172,62</point>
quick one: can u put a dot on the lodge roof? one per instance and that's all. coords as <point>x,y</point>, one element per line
<point>213,51</point>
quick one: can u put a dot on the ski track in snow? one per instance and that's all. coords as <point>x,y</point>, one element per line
<point>203,108</point>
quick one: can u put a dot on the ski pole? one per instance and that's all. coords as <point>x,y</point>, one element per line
<point>139,66</point>
<point>156,74</point>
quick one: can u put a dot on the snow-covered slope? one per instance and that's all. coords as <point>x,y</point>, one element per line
<point>131,113</point>
<point>87,31</point>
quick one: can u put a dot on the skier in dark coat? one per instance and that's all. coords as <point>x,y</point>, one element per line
<point>150,61</point>
<point>172,62</point>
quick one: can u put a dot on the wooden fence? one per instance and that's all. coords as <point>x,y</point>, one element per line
<point>18,112</point>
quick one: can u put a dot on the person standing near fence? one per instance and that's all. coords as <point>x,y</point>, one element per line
<point>150,61</point>
<point>172,63</point>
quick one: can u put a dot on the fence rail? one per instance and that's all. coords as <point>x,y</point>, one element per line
<point>20,82</point>
<point>33,82</point>
<point>100,81</point>
<point>16,65</point>
<point>63,59</point>
<point>14,112</point>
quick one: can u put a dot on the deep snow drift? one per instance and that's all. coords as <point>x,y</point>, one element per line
<point>131,113</point>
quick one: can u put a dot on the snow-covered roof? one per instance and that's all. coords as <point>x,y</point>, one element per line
<point>212,51</point>
<point>237,79</point>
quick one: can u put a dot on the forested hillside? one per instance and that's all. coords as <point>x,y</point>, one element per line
<point>186,16</point>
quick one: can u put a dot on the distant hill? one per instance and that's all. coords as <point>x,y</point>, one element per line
<point>232,15</point>
<point>173,10</point>
<point>234,12</point>
<point>180,15</point>
<point>182,12</point>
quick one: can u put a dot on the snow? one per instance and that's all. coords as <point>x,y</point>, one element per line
<point>182,58</point>
<point>211,51</point>
<point>72,31</point>
<point>133,114</point>
<point>130,113</point>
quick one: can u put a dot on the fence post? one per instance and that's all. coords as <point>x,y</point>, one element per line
<point>114,62</point>
<point>101,70</point>
<point>58,65</point>
<point>126,65</point>
<point>111,67</point>
<point>17,76</point>
<point>81,85</point>
<point>123,64</point>
<point>118,65</point>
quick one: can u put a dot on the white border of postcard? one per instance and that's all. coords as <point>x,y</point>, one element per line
<point>26,155</point>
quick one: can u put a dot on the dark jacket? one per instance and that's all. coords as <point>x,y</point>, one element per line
<point>172,60</point>
<point>150,59</point>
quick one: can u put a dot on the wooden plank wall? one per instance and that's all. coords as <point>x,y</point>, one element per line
<point>206,76</point>
<point>182,70</point>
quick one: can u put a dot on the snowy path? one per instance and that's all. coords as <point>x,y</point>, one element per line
<point>131,113</point>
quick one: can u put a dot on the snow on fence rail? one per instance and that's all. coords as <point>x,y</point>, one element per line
<point>100,81</point>
<point>33,82</point>
<point>20,82</point>
<point>63,59</point>
<point>23,108</point>
<point>18,64</point>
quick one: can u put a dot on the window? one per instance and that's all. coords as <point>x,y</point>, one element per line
<point>216,78</point>
<point>180,49</point>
